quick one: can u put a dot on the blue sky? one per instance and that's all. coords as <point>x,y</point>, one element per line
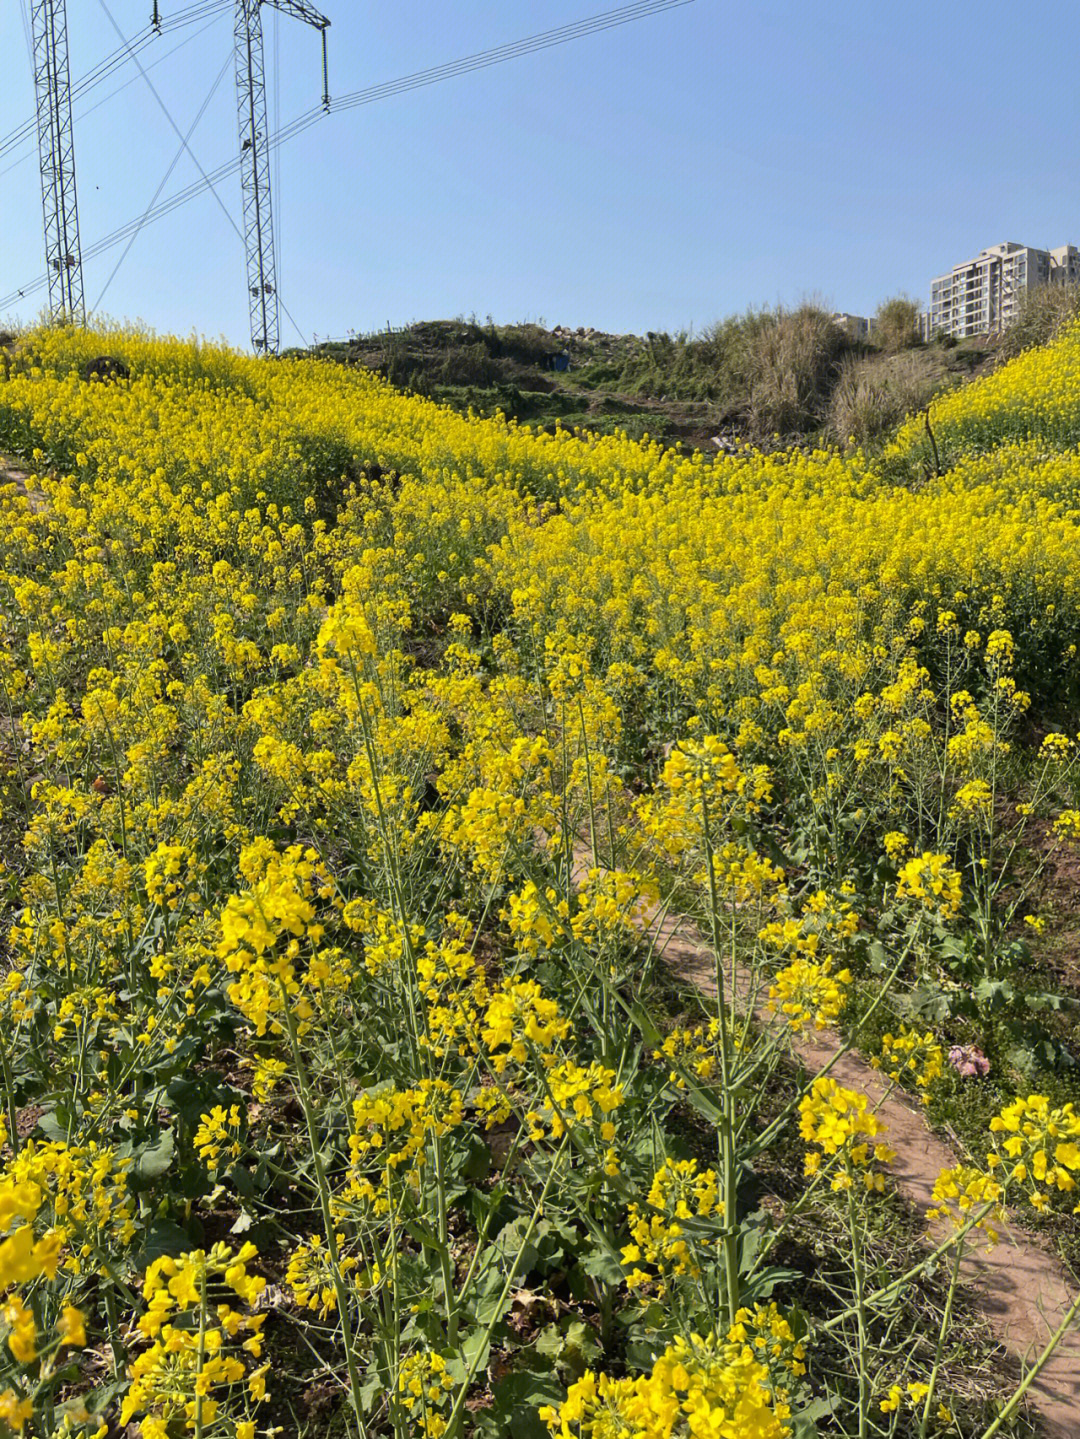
<point>655,176</point>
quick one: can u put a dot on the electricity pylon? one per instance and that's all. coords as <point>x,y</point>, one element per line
<point>255,156</point>
<point>56,149</point>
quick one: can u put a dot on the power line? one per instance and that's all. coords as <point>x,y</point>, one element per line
<point>164,180</point>
<point>176,128</point>
<point>25,16</point>
<point>151,65</point>
<point>104,68</point>
<point>547,39</point>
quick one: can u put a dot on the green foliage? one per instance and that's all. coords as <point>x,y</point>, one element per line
<point>897,324</point>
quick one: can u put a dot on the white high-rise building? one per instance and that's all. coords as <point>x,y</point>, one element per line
<point>981,296</point>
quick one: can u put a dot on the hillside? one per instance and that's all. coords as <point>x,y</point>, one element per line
<point>490,916</point>
<point>769,378</point>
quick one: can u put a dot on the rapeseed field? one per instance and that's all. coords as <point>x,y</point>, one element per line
<point>351,750</point>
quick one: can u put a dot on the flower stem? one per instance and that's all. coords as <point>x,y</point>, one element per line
<point>340,1290</point>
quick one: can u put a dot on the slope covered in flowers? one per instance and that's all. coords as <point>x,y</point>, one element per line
<point>319,1045</point>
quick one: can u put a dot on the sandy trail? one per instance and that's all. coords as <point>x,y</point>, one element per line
<point>12,474</point>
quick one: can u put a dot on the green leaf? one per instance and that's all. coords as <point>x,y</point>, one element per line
<point>164,1237</point>
<point>749,1241</point>
<point>511,1244</point>
<point>191,1096</point>
<point>474,1354</point>
<point>641,1353</point>
<point>152,1160</point>
<point>640,1017</point>
<point>804,1423</point>
<point>994,993</point>
<point>765,1282</point>
<point>518,1397</point>
<point>550,1341</point>
<point>580,1345</point>
<point>422,1233</point>
<point>242,1181</point>
<point>476,1158</point>
<point>1043,1000</point>
<point>878,956</point>
<point>928,1001</point>
<point>371,1389</point>
<point>599,1264</point>
<point>477,1349</point>
<point>50,1125</point>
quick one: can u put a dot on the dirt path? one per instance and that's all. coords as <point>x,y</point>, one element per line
<point>1020,1288</point>
<point>12,473</point>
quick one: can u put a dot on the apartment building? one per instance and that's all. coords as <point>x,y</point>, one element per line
<point>981,296</point>
<point>856,327</point>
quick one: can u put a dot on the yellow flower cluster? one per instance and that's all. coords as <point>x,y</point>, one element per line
<point>217,1138</point>
<point>1036,1146</point>
<point>310,1275</point>
<point>22,1256</point>
<point>822,919</point>
<point>931,879</point>
<point>519,1017</point>
<point>1067,824</point>
<point>701,1387</point>
<point>972,801</point>
<point>578,1095</point>
<point>170,874</point>
<point>497,822</point>
<point>915,1057</point>
<point>770,1335</point>
<point>278,904</point>
<point>692,1050</point>
<point>25,1258</point>
<point>1034,1150</point>
<point>659,1250</point>
<point>846,1131</point>
<point>188,1373</point>
<point>912,1394</point>
<point>806,993</point>
<point>82,1192</point>
<point>391,1130</point>
<point>611,905</point>
<point>536,918</point>
<point>702,786</point>
<point>962,1189</point>
<point>425,1388</point>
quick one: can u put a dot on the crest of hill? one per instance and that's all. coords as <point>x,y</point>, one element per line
<point>768,377</point>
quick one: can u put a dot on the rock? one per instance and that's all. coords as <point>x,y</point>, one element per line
<point>106,367</point>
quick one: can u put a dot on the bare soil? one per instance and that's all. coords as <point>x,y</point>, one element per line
<point>13,474</point>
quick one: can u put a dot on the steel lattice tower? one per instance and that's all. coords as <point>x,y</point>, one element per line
<point>255,156</point>
<point>56,148</point>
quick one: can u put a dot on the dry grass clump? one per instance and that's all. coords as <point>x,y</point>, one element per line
<point>1043,314</point>
<point>875,392</point>
<point>791,363</point>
